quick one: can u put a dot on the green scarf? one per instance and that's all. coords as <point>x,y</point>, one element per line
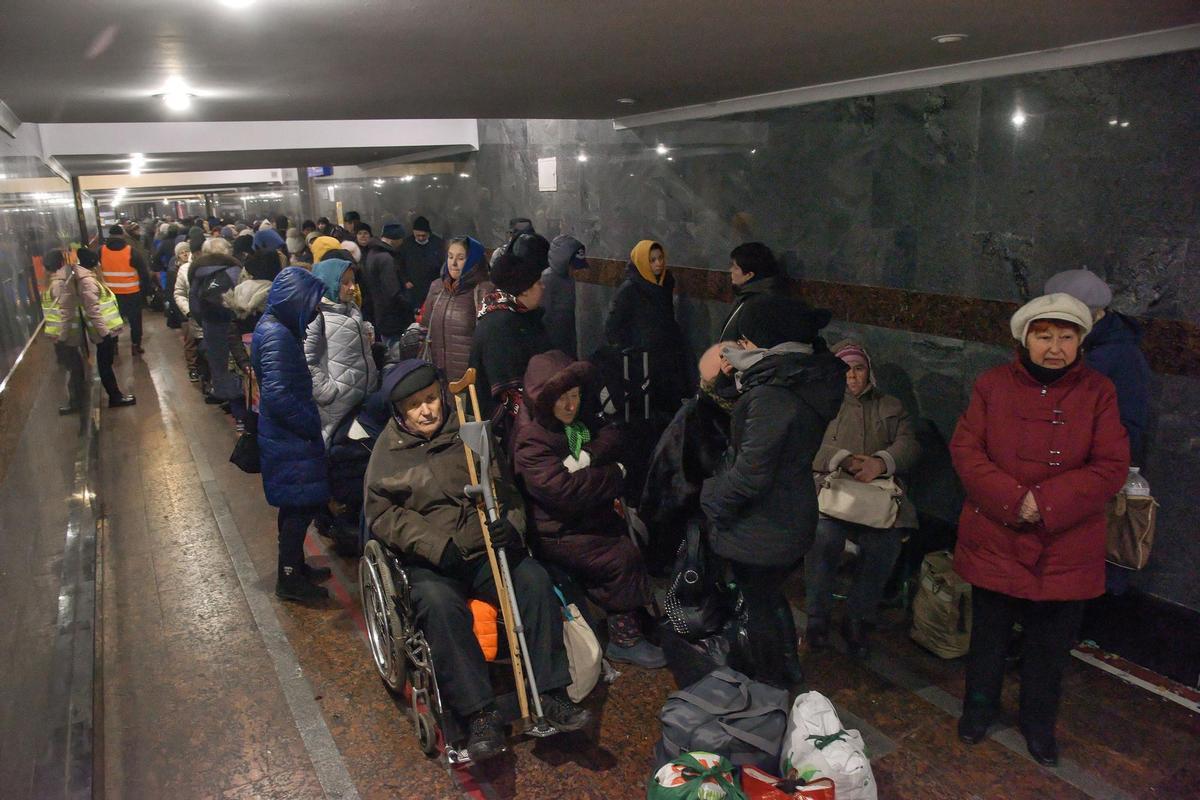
<point>577,436</point>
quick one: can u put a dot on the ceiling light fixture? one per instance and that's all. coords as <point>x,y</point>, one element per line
<point>237,5</point>
<point>1113,121</point>
<point>581,158</point>
<point>753,150</point>
<point>464,174</point>
<point>435,177</point>
<point>949,38</point>
<point>175,95</point>
<point>1125,124</point>
<point>670,158</point>
<point>662,149</point>
<point>626,101</point>
<point>135,171</point>
<point>1018,118</point>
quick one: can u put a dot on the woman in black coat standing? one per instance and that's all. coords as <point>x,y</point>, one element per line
<point>642,316</point>
<point>762,505</point>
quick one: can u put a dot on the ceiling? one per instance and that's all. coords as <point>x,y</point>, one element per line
<point>118,163</point>
<point>102,60</point>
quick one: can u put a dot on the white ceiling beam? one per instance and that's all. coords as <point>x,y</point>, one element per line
<point>64,139</point>
<point>152,180</point>
<point>1140,45</point>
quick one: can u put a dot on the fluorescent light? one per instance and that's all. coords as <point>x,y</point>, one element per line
<point>626,101</point>
<point>949,38</point>
<point>236,5</point>
<point>1018,118</point>
<point>464,174</point>
<point>135,171</point>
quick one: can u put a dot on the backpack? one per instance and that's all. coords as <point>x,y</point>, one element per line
<point>942,608</point>
<point>213,288</point>
<point>725,713</point>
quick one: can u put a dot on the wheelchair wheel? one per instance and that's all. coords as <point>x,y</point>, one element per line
<point>384,629</point>
<point>427,738</point>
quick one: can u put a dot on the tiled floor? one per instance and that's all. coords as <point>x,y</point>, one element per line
<point>193,705</point>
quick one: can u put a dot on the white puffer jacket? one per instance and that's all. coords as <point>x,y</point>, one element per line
<point>338,351</point>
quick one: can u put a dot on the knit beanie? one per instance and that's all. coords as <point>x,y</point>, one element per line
<point>514,275</point>
<point>53,260</point>
<point>421,224</point>
<point>1084,285</point>
<point>243,246</point>
<point>774,320</point>
<point>393,230</point>
<point>116,230</point>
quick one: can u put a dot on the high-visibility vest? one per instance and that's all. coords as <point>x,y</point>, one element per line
<point>117,268</point>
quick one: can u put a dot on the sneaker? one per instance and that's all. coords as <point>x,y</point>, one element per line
<point>315,574</point>
<point>240,427</point>
<point>118,400</point>
<point>292,585</point>
<point>193,376</point>
<point>486,738</point>
<point>560,712</point>
<point>641,653</point>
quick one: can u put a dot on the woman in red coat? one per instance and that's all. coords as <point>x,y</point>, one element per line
<point>1040,450</point>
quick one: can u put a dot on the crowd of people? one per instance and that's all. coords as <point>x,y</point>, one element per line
<point>336,349</point>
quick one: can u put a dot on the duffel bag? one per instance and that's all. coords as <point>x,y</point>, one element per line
<point>725,713</point>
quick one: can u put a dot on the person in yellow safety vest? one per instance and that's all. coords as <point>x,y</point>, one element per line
<point>123,267</point>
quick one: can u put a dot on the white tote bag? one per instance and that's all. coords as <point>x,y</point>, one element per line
<point>583,652</point>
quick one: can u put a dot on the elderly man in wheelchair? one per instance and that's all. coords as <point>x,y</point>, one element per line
<point>416,509</point>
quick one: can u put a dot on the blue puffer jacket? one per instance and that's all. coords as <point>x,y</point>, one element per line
<point>294,469</point>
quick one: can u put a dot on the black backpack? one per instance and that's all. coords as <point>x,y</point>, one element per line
<point>213,287</point>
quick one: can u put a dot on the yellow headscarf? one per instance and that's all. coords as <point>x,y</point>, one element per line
<point>640,256</point>
<point>322,245</point>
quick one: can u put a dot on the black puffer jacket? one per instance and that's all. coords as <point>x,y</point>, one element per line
<point>388,310</point>
<point>762,505</point>
<point>643,316</point>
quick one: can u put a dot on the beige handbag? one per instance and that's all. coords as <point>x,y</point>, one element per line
<point>1131,522</point>
<point>873,504</point>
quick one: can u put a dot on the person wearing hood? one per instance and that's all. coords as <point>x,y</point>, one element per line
<point>687,453</point>
<point>1040,451</point>
<point>193,334</point>
<point>337,347</point>
<point>324,226</point>
<point>211,277</point>
<point>294,242</point>
<point>389,309</point>
<point>642,316</point>
<point>566,255</point>
<point>872,436</point>
<point>269,239</point>
<point>568,459</point>
<point>754,273</point>
<point>762,505</point>
<point>451,305</point>
<point>294,467</point>
<point>75,293</point>
<point>422,256</point>
<point>122,269</point>
<point>322,245</point>
<point>416,506</point>
<point>1113,348</point>
<point>508,332</point>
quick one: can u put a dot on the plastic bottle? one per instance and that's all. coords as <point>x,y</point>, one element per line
<point>1135,484</point>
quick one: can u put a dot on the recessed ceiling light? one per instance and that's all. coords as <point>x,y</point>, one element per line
<point>626,101</point>
<point>135,171</point>
<point>1125,124</point>
<point>1018,118</point>
<point>753,151</point>
<point>581,158</point>
<point>662,149</point>
<point>176,101</point>
<point>464,174</point>
<point>237,4</point>
<point>670,158</point>
<point>1113,121</point>
<point>949,38</point>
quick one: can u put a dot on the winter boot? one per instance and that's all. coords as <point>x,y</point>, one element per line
<point>291,584</point>
<point>486,738</point>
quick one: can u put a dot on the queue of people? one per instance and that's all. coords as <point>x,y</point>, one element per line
<point>778,415</point>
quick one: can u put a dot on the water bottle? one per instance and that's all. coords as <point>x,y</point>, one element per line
<point>1135,484</point>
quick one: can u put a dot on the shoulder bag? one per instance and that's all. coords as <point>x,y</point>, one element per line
<point>873,504</point>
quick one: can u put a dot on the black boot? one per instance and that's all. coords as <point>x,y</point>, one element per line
<point>974,723</point>
<point>1042,746</point>
<point>817,634</point>
<point>793,673</point>
<point>315,574</point>
<point>291,584</point>
<point>487,735</point>
<point>855,633</point>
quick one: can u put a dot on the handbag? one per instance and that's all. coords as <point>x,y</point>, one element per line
<point>873,504</point>
<point>583,651</point>
<point>245,455</point>
<point>698,603</point>
<point>1131,523</point>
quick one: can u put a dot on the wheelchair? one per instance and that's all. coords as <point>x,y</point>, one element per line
<point>403,659</point>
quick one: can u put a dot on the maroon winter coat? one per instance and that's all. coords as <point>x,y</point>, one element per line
<point>565,502</point>
<point>449,315</point>
<point>1063,442</point>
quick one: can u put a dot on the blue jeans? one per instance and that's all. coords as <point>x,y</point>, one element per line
<point>878,550</point>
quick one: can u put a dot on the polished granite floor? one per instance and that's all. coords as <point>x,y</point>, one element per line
<point>212,688</point>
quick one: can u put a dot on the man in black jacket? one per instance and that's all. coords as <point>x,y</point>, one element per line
<point>762,507</point>
<point>421,257</point>
<point>754,273</point>
<point>390,311</point>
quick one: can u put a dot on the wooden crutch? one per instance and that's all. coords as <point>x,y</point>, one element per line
<point>467,381</point>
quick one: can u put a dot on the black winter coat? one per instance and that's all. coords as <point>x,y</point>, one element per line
<point>502,344</point>
<point>642,316</point>
<point>744,296</point>
<point>389,309</point>
<point>762,506</point>
<point>420,264</point>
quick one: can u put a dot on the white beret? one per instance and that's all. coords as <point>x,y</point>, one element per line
<point>1050,306</point>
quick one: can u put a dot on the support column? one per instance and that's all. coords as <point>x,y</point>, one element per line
<point>207,205</point>
<point>308,208</point>
<point>77,195</point>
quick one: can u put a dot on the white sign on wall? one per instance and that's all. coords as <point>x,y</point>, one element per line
<point>548,174</point>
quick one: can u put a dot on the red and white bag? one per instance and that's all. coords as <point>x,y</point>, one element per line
<point>758,785</point>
